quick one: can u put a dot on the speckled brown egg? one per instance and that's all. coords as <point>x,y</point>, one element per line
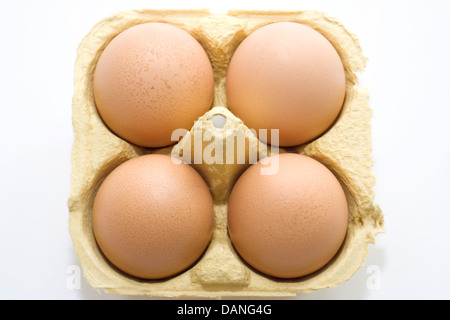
<point>287,218</point>
<point>286,76</point>
<point>150,80</point>
<point>153,218</point>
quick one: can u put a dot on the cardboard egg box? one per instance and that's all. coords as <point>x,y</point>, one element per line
<point>345,148</point>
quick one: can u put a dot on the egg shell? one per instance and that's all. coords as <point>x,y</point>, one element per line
<point>345,149</point>
<point>152,79</point>
<point>286,76</point>
<point>153,218</point>
<point>291,222</point>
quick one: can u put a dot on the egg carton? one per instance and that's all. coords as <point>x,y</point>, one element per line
<point>345,149</point>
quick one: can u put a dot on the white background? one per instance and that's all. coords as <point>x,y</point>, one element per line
<point>407,44</point>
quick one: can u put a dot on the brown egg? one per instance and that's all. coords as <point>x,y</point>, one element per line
<point>151,79</point>
<point>289,223</point>
<point>289,77</point>
<point>153,218</point>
